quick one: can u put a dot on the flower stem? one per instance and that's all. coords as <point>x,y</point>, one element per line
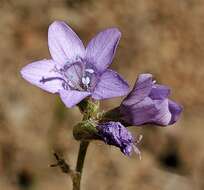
<point>80,163</point>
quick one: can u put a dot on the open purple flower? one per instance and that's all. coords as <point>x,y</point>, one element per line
<point>148,103</point>
<point>114,133</point>
<point>75,72</point>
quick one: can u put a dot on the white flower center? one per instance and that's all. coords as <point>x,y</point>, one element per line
<point>86,80</point>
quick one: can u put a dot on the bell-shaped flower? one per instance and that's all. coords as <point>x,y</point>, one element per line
<point>148,102</point>
<point>76,72</point>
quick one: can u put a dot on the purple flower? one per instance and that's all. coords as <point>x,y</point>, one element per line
<point>148,103</point>
<point>114,133</point>
<point>75,72</point>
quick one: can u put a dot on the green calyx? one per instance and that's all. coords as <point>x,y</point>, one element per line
<point>85,130</point>
<point>89,108</point>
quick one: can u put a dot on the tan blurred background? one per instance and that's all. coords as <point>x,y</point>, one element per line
<point>162,37</point>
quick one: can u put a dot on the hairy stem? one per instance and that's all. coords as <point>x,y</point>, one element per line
<point>80,163</point>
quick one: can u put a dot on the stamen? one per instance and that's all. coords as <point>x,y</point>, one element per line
<point>139,139</point>
<point>137,151</point>
<point>89,71</point>
<point>85,80</point>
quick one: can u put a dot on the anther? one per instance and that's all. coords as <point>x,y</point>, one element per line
<point>89,71</point>
<point>85,80</point>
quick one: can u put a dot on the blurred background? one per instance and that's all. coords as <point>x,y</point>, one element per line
<point>162,37</point>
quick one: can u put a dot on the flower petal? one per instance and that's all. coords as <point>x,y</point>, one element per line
<point>110,85</point>
<point>64,45</point>
<point>139,113</point>
<point>159,92</point>
<point>72,97</point>
<point>163,116</point>
<point>175,110</point>
<point>141,90</point>
<point>101,49</point>
<point>36,71</point>
<point>147,111</point>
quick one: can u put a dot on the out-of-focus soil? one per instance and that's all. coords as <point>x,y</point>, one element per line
<point>161,37</point>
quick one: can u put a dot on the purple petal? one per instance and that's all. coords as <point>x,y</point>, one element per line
<point>101,49</point>
<point>64,45</point>
<point>139,113</point>
<point>163,117</point>
<point>141,90</point>
<point>159,92</point>
<point>36,71</point>
<point>72,97</point>
<point>110,85</point>
<point>175,110</point>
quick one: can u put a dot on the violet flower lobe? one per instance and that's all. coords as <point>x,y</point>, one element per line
<point>148,103</point>
<point>75,72</point>
<point>114,133</point>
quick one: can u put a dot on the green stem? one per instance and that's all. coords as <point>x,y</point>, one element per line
<point>80,163</point>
